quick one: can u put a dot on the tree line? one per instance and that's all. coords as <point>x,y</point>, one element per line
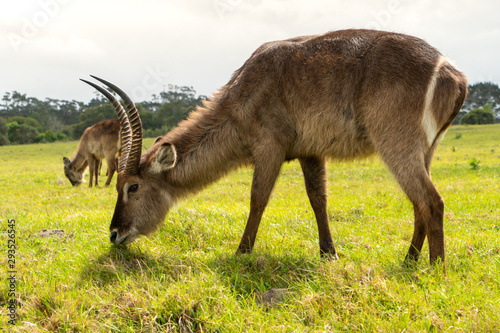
<point>482,105</point>
<point>29,120</point>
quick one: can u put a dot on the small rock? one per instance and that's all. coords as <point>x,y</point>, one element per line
<point>52,233</point>
<point>271,298</point>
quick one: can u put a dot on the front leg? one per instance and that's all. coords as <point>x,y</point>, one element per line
<point>315,179</point>
<point>266,172</point>
<point>97,170</point>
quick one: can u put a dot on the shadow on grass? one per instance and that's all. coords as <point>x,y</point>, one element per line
<point>246,273</point>
<point>121,261</point>
<point>242,273</point>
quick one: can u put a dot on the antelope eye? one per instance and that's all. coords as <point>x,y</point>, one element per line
<point>133,188</point>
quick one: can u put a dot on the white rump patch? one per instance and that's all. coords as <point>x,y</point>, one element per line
<point>429,123</point>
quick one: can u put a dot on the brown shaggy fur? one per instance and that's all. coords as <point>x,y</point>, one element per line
<point>341,95</point>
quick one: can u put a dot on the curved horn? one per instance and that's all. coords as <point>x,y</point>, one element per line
<point>134,156</point>
<point>125,130</point>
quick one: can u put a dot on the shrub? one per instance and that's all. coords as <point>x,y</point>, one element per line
<point>22,134</point>
<point>50,136</point>
<point>474,163</point>
<point>479,116</point>
<point>26,121</point>
<point>4,140</point>
<point>62,137</point>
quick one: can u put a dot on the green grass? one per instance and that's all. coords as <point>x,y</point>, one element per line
<point>185,277</point>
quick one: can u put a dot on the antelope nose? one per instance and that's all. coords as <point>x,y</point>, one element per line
<point>113,236</point>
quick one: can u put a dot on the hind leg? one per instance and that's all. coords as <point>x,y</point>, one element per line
<point>420,230</point>
<point>419,234</point>
<point>112,165</point>
<point>411,171</point>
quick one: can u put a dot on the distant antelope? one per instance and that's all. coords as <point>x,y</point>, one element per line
<point>341,95</point>
<point>97,142</point>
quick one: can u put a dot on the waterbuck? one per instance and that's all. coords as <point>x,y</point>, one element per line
<point>99,141</point>
<point>341,95</point>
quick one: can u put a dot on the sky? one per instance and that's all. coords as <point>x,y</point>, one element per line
<point>145,46</point>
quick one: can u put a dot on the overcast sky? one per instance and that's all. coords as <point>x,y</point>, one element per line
<point>142,46</point>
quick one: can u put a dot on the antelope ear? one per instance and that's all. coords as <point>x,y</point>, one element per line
<point>66,161</point>
<point>165,158</point>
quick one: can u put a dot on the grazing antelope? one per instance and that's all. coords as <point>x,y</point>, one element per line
<point>341,95</point>
<point>99,141</point>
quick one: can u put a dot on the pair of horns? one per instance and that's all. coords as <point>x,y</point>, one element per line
<point>130,127</point>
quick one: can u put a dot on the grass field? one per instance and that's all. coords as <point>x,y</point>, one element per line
<point>186,278</point>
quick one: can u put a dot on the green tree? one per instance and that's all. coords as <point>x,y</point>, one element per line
<point>91,116</point>
<point>48,136</point>
<point>27,121</point>
<point>4,139</point>
<point>483,93</point>
<point>22,134</point>
<point>6,99</point>
<point>480,116</point>
<point>66,112</point>
<point>68,119</point>
<point>147,117</point>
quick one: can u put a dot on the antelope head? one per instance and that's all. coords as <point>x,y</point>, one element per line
<point>74,176</point>
<point>143,198</point>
